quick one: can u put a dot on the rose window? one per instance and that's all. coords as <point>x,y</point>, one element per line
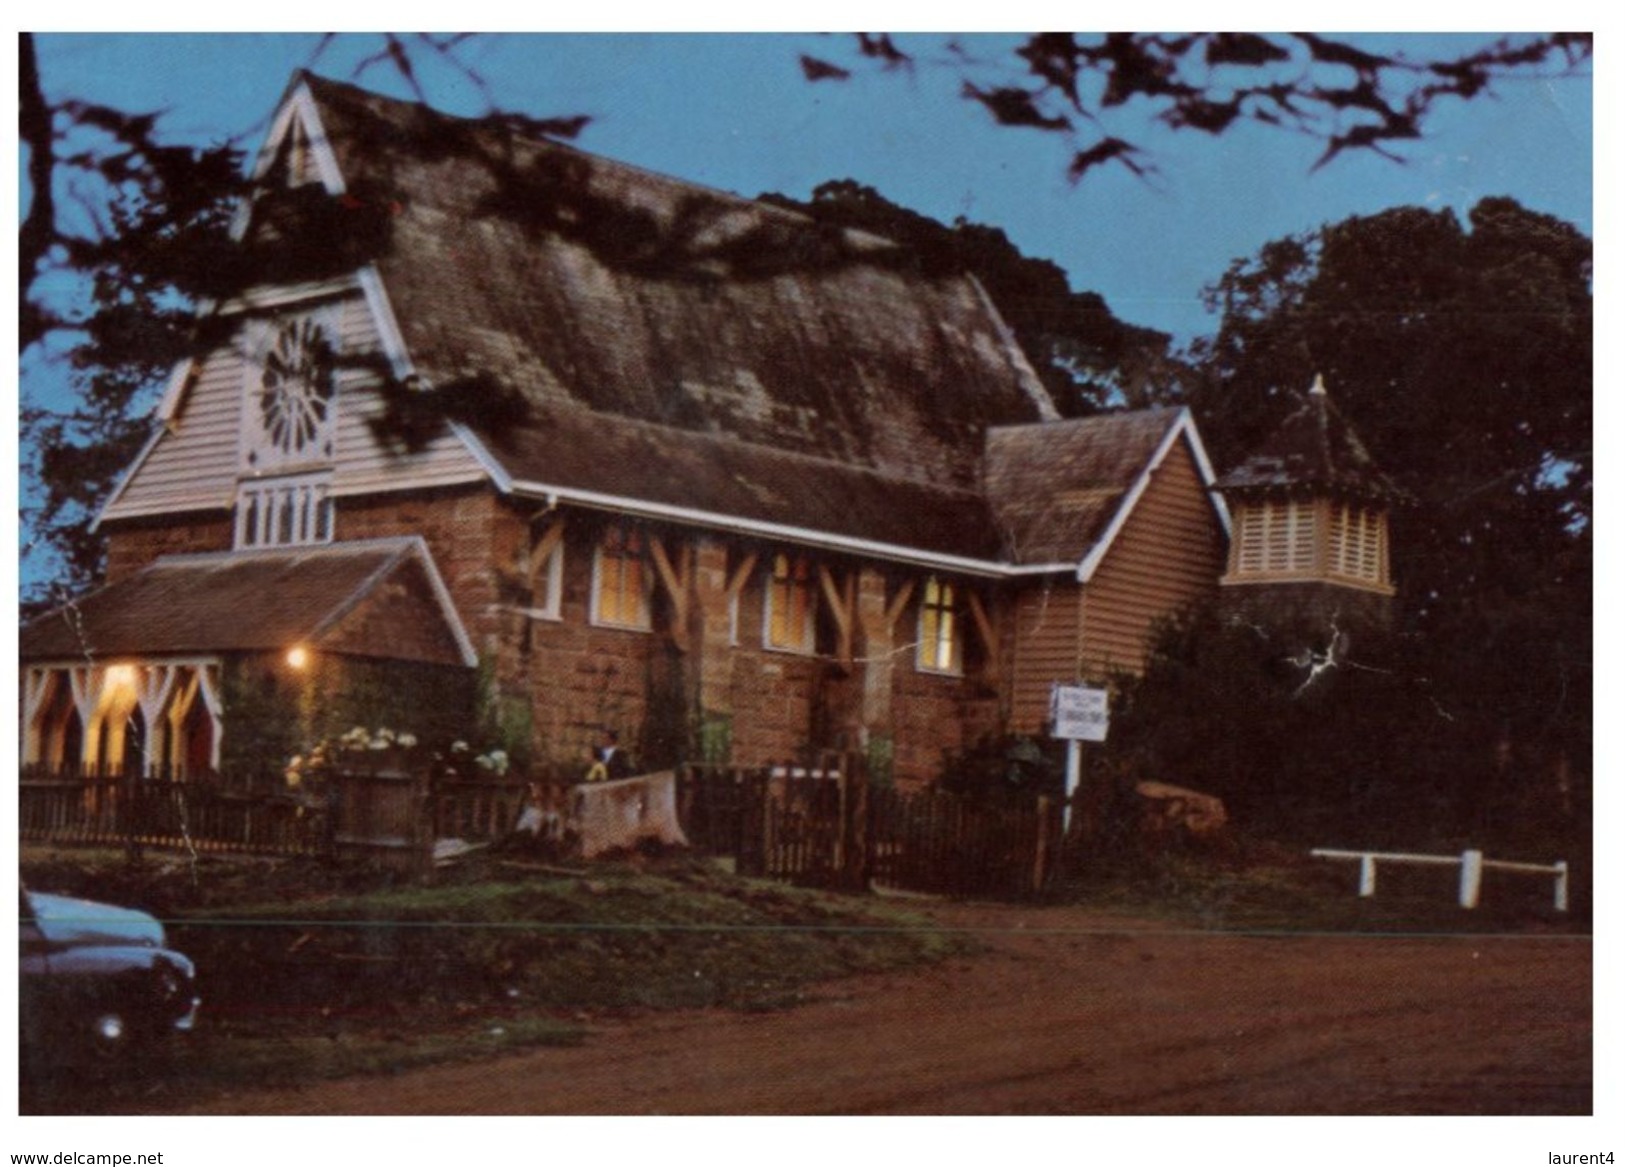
<point>296,391</point>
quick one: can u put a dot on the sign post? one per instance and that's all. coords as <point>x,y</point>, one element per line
<point>1077,714</point>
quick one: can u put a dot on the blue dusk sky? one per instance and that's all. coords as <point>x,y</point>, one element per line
<point>734,112</point>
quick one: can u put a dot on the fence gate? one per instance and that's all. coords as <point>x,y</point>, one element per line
<point>833,830</point>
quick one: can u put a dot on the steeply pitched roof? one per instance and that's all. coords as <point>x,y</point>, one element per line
<point>1058,490</point>
<point>381,598</point>
<point>1314,450</point>
<point>679,353</point>
<point>589,285</point>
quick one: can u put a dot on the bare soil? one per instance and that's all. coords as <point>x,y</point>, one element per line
<point>1070,1011</point>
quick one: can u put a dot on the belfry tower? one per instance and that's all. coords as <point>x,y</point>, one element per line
<point>1310,516</point>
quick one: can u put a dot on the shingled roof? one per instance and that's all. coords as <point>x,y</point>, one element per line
<point>380,598</point>
<point>1314,450</point>
<point>1057,489</point>
<point>589,285</point>
<point>679,353</point>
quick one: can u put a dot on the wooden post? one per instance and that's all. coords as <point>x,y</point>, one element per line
<point>855,824</point>
<point>1368,875</point>
<point>1560,894</point>
<point>1472,876</point>
<point>1041,845</point>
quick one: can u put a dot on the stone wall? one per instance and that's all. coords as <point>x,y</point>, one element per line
<point>131,545</point>
<point>554,680</point>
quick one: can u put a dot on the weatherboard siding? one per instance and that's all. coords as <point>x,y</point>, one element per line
<point>197,461</point>
<point>193,466</point>
<point>1046,649</point>
<point>362,463</point>
<point>1166,557</point>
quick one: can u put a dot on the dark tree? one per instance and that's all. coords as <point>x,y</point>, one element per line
<point>1462,356</point>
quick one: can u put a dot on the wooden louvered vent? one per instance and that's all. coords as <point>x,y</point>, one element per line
<point>1305,540</point>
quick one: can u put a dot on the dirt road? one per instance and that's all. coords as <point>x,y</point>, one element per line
<point>1073,1013</point>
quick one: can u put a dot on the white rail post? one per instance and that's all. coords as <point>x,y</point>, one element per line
<point>1472,876</point>
<point>1560,895</point>
<point>1368,875</point>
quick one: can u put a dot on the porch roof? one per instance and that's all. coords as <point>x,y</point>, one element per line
<point>381,598</point>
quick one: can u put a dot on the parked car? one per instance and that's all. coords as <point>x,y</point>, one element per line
<point>98,977</point>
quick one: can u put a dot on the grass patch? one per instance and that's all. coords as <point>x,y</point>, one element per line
<point>1267,889</point>
<point>318,973</point>
<point>623,938</point>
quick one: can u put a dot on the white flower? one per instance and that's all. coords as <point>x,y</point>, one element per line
<point>459,747</point>
<point>385,735</point>
<point>484,762</point>
<point>406,740</point>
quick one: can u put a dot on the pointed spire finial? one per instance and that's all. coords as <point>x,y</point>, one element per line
<point>1318,389</point>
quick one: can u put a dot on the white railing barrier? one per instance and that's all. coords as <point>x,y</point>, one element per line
<point>1472,864</point>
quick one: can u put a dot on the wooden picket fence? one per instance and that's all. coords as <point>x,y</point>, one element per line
<point>821,824</point>
<point>206,815</point>
<point>382,813</point>
<point>831,828</point>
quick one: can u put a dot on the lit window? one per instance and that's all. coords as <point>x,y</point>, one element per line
<point>622,582</point>
<point>939,647</point>
<point>284,512</point>
<point>1275,538</point>
<point>790,605</point>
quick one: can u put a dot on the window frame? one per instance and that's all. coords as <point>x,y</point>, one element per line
<point>551,573</point>
<point>939,607</point>
<point>643,597</point>
<point>799,579</point>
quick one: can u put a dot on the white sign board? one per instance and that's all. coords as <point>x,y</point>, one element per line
<point>1079,713</point>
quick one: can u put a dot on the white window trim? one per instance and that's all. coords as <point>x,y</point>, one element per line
<point>646,598</point>
<point>956,637</point>
<point>809,633</point>
<point>313,516</point>
<point>552,605</point>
